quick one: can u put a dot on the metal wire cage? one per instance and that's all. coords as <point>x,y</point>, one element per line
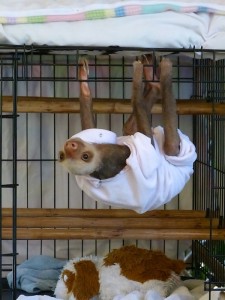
<point>209,184</point>
<point>32,77</point>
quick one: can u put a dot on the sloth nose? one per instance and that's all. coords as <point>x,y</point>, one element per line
<point>70,147</point>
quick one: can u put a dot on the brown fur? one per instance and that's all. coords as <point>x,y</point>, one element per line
<point>113,160</point>
<point>142,265</point>
<point>87,118</point>
<point>86,284</point>
<point>172,139</point>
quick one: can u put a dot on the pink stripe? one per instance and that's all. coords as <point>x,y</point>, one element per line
<point>132,10</point>
<point>76,17</point>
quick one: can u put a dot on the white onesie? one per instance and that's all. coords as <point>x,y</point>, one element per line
<point>150,178</point>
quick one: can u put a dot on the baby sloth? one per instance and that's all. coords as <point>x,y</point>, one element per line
<point>146,167</point>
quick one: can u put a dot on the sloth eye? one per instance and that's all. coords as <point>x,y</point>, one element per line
<point>61,156</point>
<point>85,156</point>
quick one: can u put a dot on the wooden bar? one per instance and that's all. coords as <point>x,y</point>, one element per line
<point>101,213</point>
<point>96,233</point>
<point>116,106</point>
<point>139,223</point>
<point>53,224</point>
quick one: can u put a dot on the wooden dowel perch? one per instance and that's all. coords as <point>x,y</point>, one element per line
<point>116,106</point>
<point>110,224</point>
<point>101,213</point>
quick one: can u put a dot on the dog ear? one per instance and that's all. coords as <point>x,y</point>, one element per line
<point>86,283</point>
<point>65,283</point>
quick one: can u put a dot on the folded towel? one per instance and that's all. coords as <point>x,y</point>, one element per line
<point>39,273</point>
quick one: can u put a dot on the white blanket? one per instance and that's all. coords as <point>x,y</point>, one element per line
<point>42,11</point>
<point>181,293</point>
<point>36,297</point>
<point>158,24</point>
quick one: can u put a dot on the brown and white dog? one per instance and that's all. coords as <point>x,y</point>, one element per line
<point>128,270</point>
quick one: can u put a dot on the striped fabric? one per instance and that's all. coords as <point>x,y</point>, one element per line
<point>22,12</point>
